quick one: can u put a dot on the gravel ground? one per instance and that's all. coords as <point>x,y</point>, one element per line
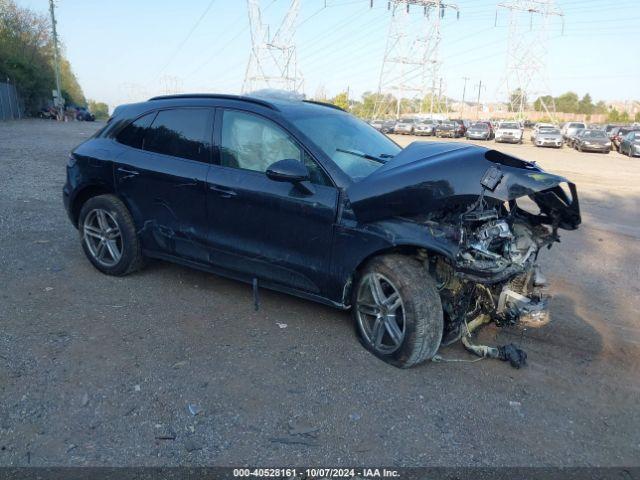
<point>172,366</point>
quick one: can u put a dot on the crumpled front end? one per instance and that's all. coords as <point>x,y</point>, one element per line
<point>494,214</point>
<point>495,276</point>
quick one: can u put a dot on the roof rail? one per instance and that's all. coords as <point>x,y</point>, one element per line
<point>221,96</point>
<point>325,104</point>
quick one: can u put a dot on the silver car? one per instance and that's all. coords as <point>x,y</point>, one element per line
<point>570,129</point>
<point>548,137</point>
<point>425,127</point>
<point>404,126</point>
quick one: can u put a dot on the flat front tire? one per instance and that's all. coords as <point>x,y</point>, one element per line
<point>108,236</point>
<point>397,310</point>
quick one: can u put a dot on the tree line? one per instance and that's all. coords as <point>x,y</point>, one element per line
<point>27,59</point>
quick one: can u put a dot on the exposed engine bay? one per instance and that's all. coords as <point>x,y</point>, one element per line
<point>495,276</point>
<point>487,217</point>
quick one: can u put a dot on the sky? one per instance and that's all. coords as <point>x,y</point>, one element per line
<point>129,50</point>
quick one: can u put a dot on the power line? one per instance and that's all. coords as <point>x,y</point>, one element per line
<point>186,38</point>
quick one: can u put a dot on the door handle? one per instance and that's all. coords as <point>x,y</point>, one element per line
<point>129,173</point>
<point>222,191</point>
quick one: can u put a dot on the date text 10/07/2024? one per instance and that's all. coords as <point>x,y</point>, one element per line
<point>316,472</point>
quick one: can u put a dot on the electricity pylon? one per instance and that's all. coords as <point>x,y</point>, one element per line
<point>526,78</point>
<point>273,62</point>
<point>410,66</point>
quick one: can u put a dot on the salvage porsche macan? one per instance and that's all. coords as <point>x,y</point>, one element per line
<point>424,244</point>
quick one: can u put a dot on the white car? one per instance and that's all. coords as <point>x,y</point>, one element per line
<point>541,126</point>
<point>509,132</point>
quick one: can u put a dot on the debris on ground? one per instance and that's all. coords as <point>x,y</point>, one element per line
<point>84,400</point>
<point>194,409</point>
<point>191,444</point>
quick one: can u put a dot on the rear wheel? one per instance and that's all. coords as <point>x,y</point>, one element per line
<point>108,236</point>
<point>397,311</point>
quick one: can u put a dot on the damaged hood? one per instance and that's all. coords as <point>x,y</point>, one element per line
<point>428,176</point>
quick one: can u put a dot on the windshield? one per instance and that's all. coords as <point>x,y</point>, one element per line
<point>594,134</point>
<point>576,125</point>
<point>356,147</point>
<point>480,126</point>
<point>509,125</point>
<point>550,131</point>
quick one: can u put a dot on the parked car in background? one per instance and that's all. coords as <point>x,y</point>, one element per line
<point>404,126</point>
<point>422,239</point>
<point>620,134</point>
<point>570,129</point>
<point>461,128</point>
<point>84,115</point>
<point>592,140</point>
<point>448,129</point>
<point>377,124</point>
<point>570,140</point>
<point>548,137</point>
<point>610,129</point>
<point>510,132</point>
<point>630,144</point>
<point>539,126</point>
<point>480,131</point>
<point>425,127</point>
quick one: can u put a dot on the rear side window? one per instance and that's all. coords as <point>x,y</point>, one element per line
<point>183,133</point>
<point>133,135</point>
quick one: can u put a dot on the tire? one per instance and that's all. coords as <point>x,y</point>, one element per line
<point>93,233</point>
<point>420,311</point>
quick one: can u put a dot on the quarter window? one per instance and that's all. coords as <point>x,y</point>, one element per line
<point>181,133</point>
<point>133,135</point>
<point>251,142</point>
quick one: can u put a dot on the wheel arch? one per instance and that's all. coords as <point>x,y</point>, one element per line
<point>417,251</point>
<point>84,194</point>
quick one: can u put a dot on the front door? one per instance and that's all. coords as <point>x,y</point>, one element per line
<point>266,229</point>
<point>162,175</point>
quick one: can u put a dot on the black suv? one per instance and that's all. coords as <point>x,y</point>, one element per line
<point>304,198</point>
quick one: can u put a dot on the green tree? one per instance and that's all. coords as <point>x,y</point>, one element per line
<point>341,100</point>
<point>636,117</point>
<point>541,102</point>
<point>26,57</point>
<point>73,93</point>
<point>586,105</point>
<point>567,103</point>
<point>613,116</point>
<point>625,117</point>
<point>99,109</point>
<point>600,108</point>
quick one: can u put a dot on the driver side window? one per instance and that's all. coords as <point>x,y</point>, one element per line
<point>251,142</point>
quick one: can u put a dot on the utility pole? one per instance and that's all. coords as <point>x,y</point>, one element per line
<point>273,61</point>
<point>479,85</point>
<point>464,92</point>
<point>411,62</point>
<point>59,101</point>
<point>526,76</point>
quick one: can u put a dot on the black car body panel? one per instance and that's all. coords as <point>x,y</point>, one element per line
<point>305,241</point>
<point>429,176</point>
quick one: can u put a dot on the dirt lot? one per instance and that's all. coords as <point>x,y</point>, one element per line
<point>97,370</point>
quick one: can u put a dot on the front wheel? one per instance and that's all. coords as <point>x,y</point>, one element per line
<point>108,236</point>
<point>397,311</point>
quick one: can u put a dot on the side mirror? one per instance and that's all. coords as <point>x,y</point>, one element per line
<point>288,170</point>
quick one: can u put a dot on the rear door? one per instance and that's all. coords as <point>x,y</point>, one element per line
<point>262,228</point>
<point>162,175</point>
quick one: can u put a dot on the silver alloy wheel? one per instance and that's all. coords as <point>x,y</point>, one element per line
<point>380,313</point>
<point>101,235</point>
